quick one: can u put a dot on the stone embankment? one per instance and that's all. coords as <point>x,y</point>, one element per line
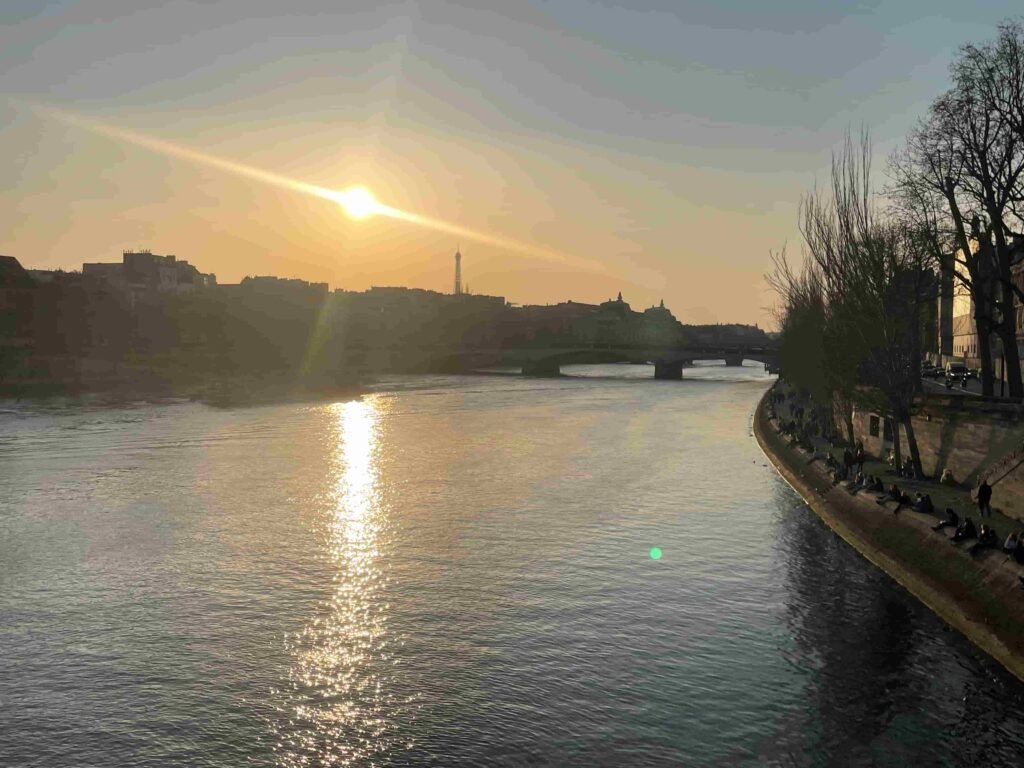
<point>970,437</point>
<point>980,596</point>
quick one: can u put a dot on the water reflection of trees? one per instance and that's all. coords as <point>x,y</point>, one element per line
<point>854,636</point>
<point>886,682</point>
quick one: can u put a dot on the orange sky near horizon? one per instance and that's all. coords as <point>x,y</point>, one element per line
<point>234,225</point>
<point>656,149</point>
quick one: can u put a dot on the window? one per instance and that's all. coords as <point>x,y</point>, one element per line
<point>888,431</point>
<point>873,426</point>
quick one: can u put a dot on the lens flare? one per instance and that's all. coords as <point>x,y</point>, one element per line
<point>358,202</point>
<point>655,553</point>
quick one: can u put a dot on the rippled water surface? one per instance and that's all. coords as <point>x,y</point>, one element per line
<point>456,571</point>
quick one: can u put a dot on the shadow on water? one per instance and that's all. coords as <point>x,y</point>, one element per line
<point>889,683</point>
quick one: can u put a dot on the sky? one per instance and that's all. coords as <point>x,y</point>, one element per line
<point>657,147</point>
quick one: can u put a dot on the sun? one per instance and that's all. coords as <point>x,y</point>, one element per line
<point>358,202</point>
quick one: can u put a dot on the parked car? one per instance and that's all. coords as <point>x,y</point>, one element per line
<point>932,372</point>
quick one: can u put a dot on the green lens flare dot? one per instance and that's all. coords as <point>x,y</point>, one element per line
<point>655,553</point>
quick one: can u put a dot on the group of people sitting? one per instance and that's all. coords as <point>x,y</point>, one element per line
<point>921,502</point>
<point>855,483</point>
<point>851,470</point>
<point>799,434</point>
<point>986,538</point>
<point>804,422</point>
<point>904,469</point>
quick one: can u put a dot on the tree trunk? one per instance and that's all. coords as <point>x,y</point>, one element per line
<point>897,457</point>
<point>1011,366</point>
<point>982,325</point>
<point>980,290</point>
<point>1007,327</point>
<point>915,454</point>
<point>1008,335</point>
<point>846,409</point>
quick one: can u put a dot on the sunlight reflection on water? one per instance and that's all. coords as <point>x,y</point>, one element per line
<point>339,694</point>
<point>457,571</point>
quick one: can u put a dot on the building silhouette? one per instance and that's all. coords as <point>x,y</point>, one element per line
<point>142,271</point>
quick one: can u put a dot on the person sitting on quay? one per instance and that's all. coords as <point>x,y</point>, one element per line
<point>952,520</point>
<point>1018,553</point>
<point>852,486</point>
<point>1011,544</point>
<point>964,531</point>
<point>874,484</point>
<point>893,494</point>
<point>923,504</point>
<point>908,469</point>
<point>987,539</point>
<point>903,501</point>
<point>838,474</point>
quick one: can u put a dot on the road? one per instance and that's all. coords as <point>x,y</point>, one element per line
<point>938,386</point>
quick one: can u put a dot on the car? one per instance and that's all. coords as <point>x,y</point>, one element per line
<point>955,370</point>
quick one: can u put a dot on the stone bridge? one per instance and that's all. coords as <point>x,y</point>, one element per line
<point>668,362</point>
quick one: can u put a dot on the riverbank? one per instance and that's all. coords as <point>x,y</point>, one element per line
<point>979,597</point>
<point>217,391</point>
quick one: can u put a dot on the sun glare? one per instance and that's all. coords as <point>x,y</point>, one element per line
<point>358,202</point>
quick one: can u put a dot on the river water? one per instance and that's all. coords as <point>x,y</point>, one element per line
<point>457,571</point>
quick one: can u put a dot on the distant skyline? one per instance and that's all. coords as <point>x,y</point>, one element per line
<point>665,144</point>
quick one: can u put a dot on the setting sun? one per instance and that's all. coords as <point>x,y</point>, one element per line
<point>358,202</point>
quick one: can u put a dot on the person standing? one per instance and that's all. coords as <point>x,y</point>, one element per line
<point>984,498</point>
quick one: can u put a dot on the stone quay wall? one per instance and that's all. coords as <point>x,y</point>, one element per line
<point>970,437</point>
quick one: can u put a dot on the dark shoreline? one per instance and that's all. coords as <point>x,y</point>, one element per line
<point>236,393</point>
<point>979,598</point>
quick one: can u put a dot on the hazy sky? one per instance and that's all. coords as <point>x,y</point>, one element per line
<point>664,144</point>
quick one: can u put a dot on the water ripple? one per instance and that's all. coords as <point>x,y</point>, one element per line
<point>455,571</point>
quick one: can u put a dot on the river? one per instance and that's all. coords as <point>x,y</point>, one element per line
<point>458,571</point>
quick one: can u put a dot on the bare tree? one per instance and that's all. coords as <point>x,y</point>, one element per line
<point>876,280</point>
<point>927,190</point>
<point>980,115</point>
<point>812,358</point>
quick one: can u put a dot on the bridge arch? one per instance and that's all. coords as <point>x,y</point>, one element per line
<point>668,363</point>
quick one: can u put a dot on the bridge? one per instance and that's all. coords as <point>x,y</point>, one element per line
<point>669,362</point>
<point>547,360</point>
